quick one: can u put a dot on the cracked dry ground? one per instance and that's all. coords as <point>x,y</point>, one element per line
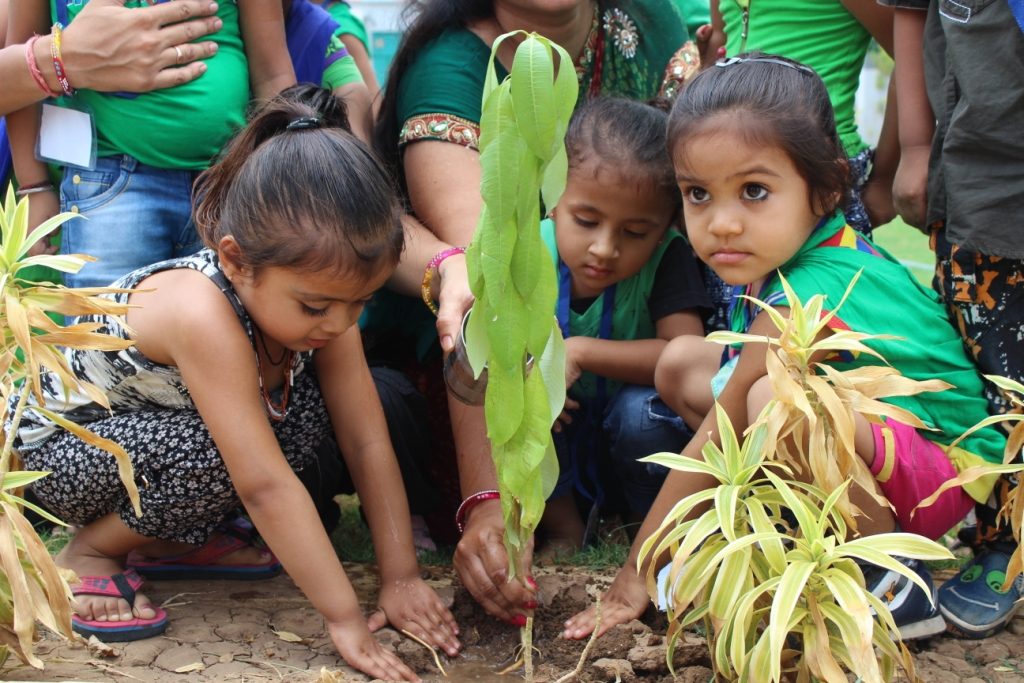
<point>236,631</point>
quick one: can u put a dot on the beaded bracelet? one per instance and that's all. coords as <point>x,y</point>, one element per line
<point>428,274</point>
<point>58,63</point>
<point>470,503</point>
<point>33,68</point>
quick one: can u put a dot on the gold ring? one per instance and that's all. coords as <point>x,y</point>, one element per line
<point>177,52</point>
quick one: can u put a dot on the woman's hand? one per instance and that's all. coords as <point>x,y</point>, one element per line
<point>109,47</point>
<point>625,600</point>
<point>877,198</point>
<point>482,564</point>
<point>362,651</point>
<point>411,605</point>
<point>454,298</point>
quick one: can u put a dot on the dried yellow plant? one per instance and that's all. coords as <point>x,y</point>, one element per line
<point>32,588</point>
<point>811,419</point>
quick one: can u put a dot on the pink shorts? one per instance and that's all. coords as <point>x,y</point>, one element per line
<point>909,468</point>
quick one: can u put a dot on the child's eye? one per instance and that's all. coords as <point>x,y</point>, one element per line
<point>755,192</point>
<point>696,195</point>
<point>636,234</point>
<point>584,222</point>
<point>316,312</point>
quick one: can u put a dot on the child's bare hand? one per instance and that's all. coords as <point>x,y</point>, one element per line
<point>565,417</point>
<point>625,600</point>
<point>573,369</point>
<point>411,605</point>
<point>361,650</point>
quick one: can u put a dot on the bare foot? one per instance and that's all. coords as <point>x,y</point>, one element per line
<point>79,557</point>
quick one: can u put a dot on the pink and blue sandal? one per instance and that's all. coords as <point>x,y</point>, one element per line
<point>201,563</point>
<point>123,585</point>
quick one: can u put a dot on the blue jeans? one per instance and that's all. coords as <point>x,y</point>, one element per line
<point>135,215</point>
<point>601,459</point>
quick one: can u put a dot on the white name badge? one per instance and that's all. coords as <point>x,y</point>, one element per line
<point>67,137</point>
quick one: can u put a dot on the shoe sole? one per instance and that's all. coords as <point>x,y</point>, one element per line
<point>926,628</point>
<point>977,631</point>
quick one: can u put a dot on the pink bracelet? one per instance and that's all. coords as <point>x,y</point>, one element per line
<point>428,274</point>
<point>33,68</point>
<point>470,503</point>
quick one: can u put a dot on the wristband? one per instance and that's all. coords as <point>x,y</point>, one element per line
<point>58,63</point>
<point>45,186</point>
<point>33,68</point>
<point>428,274</point>
<point>470,503</point>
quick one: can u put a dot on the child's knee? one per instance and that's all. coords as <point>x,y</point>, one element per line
<point>675,364</point>
<point>760,394</point>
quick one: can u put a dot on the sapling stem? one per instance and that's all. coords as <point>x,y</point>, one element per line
<point>437,660</point>
<point>526,635</point>
<point>586,650</point>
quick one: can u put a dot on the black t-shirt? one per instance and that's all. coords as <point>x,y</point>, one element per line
<point>678,285</point>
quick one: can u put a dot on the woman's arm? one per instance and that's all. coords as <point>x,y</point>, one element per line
<point>109,47</point>
<point>270,65</point>
<point>631,361</point>
<point>175,323</point>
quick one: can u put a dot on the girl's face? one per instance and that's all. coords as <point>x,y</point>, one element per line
<point>302,310</point>
<point>747,208</point>
<point>607,226</point>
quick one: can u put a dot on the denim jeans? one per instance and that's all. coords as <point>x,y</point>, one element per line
<point>135,215</point>
<point>601,460</point>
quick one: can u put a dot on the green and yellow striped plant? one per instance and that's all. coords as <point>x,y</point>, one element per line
<point>1012,511</point>
<point>32,588</point>
<point>780,602</point>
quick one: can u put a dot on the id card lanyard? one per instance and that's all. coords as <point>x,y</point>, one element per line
<point>607,310</point>
<point>744,6</point>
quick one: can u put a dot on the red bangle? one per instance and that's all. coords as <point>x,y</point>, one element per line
<point>470,503</point>
<point>58,63</point>
<point>33,68</point>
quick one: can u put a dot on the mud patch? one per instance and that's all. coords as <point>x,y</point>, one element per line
<point>229,631</point>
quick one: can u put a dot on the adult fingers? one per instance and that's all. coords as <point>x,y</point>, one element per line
<point>177,12</point>
<point>377,620</point>
<point>482,587</point>
<point>187,31</point>
<point>185,53</point>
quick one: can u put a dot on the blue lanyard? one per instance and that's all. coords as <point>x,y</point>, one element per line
<point>607,310</point>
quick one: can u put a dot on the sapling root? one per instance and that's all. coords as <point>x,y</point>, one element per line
<point>586,650</point>
<point>437,660</point>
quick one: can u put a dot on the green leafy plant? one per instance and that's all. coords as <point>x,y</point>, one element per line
<point>522,157</point>
<point>32,588</point>
<point>779,601</point>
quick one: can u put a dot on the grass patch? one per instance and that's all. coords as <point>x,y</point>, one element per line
<point>910,246</point>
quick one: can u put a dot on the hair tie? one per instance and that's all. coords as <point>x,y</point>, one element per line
<point>303,123</point>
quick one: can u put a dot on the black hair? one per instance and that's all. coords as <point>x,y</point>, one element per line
<point>783,103</point>
<point>627,135</point>
<point>297,190</point>
<point>427,19</point>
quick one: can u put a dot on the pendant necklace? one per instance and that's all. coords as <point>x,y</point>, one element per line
<point>276,411</point>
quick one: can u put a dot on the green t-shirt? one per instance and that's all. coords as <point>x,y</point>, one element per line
<point>631,317</point>
<point>183,127</point>
<point>819,33</point>
<point>341,71</point>
<point>888,299</point>
<point>349,23</point>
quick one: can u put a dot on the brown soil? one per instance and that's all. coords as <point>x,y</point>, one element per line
<point>229,631</point>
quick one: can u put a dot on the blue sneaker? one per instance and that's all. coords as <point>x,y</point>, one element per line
<point>973,601</point>
<point>915,616</point>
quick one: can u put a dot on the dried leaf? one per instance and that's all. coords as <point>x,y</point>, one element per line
<point>328,676</point>
<point>101,649</point>
<point>288,636</point>
<point>188,668</point>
